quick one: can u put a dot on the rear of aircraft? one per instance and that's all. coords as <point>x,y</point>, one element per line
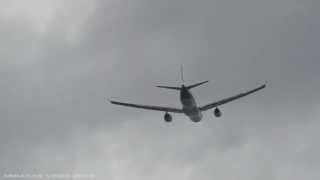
<point>188,87</point>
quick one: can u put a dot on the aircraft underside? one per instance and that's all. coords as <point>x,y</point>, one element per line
<point>189,105</point>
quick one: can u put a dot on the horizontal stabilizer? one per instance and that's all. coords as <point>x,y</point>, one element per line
<point>169,87</point>
<point>198,84</point>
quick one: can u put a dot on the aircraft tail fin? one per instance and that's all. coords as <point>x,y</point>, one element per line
<point>169,87</point>
<point>197,84</point>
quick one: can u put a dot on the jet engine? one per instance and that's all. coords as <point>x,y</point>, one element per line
<point>167,117</point>
<point>217,112</point>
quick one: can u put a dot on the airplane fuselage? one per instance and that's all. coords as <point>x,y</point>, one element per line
<point>189,105</point>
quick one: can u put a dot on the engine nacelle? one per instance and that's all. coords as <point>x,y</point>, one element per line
<point>217,112</point>
<point>167,117</point>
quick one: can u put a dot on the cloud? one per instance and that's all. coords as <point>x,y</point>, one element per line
<point>61,59</point>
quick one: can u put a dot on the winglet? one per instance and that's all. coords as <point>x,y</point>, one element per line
<point>264,85</point>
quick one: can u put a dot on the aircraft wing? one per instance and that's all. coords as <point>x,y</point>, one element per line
<point>226,100</point>
<point>155,108</point>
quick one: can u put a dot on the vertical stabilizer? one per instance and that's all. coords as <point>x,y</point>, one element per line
<point>181,71</point>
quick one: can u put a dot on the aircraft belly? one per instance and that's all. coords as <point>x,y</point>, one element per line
<point>190,107</point>
<point>196,117</point>
<point>188,103</point>
<point>193,113</point>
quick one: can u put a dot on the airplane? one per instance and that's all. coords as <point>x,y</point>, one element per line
<point>188,102</point>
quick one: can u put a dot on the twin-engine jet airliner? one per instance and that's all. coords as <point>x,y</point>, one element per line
<point>189,105</point>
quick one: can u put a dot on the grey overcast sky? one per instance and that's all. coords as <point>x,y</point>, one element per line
<point>60,59</point>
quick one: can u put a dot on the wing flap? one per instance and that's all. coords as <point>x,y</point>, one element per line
<point>155,108</point>
<point>232,98</point>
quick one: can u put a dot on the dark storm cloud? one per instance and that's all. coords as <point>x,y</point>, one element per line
<point>54,84</point>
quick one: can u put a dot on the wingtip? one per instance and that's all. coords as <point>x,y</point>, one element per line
<point>110,101</point>
<point>264,85</point>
